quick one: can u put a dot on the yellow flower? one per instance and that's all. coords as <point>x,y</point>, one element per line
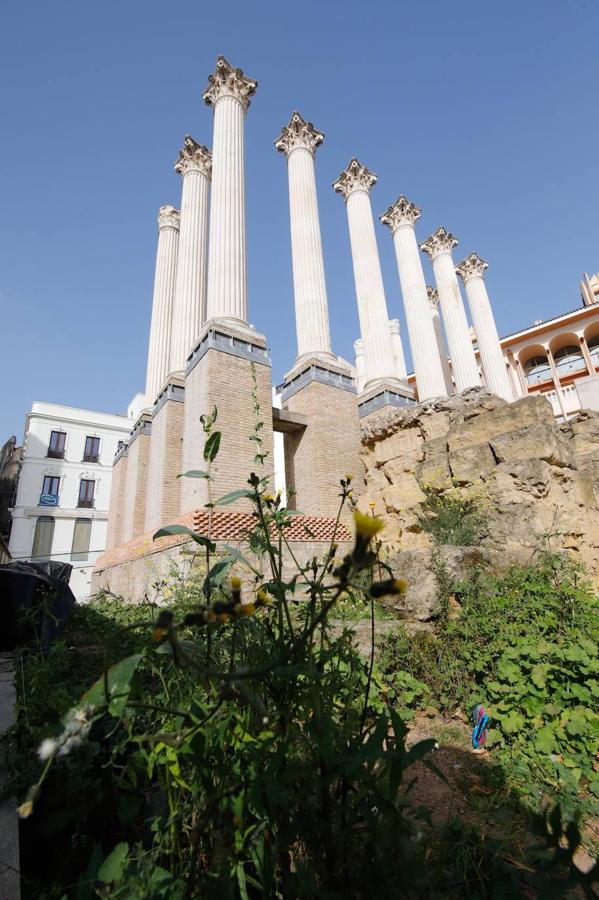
<point>235,583</point>
<point>367,526</point>
<point>348,478</point>
<point>263,598</point>
<point>223,617</point>
<point>25,809</point>
<point>158,634</point>
<point>401,585</point>
<point>210,616</point>
<point>268,498</point>
<point>247,609</point>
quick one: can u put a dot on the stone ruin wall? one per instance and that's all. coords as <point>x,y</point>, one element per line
<point>536,477</point>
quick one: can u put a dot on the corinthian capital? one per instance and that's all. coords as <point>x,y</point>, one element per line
<point>355,178</point>
<point>441,241</point>
<point>229,82</point>
<point>299,134</point>
<point>402,212</point>
<point>433,296</point>
<point>168,217</point>
<point>472,265</point>
<point>194,157</point>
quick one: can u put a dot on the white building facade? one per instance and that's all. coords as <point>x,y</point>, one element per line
<point>61,508</point>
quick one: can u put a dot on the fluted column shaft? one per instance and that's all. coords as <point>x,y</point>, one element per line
<point>428,368</point>
<point>227,287</point>
<point>309,284</point>
<point>491,355</point>
<point>463,361</point>
<point>398,354</point>
<point>433,298</point>
<point>359,355</point>
<point>370,292</point>
<point>190,294</point>
<point>162,302</point>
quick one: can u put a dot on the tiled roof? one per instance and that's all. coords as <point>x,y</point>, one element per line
<point>234,526</point>
<point>229,527</point>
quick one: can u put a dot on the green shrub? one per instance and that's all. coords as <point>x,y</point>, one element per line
<point>452,516</point>
<point>524,644</point>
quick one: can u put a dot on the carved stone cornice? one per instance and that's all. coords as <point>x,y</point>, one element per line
<point>402,212</point>
<point>472,265</point>
<point>355,177</point>
<point>228,81</point>
<point>299,134</point>
<point>168,217</point>
<point>441,241</point>
<point>194,157</point>
<point>433,296</point>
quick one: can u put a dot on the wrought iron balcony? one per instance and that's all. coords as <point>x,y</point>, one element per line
<point>55,454</point>
<point>85,504</point>
<point>91,457</point>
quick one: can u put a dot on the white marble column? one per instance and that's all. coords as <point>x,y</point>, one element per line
<point>398,354</point>
<point>359,355</point>
<point>463,361</point>
<point>401,218</point>
<point>471,270</point>
<point>162,302</point>
<point>189,311</point>
<point>298,141</point>
<point>355,183</point>
<point>229,93</point>
<point>433,299</point>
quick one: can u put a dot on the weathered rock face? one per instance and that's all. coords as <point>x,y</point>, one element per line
<point>538,479</point>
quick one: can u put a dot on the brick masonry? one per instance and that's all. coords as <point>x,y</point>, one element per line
<point>136,568</point>
<point>134,500</point>
<point>226,381</point>
<point>114,530</point>
<point>325,451</point>
<point>164,465</point>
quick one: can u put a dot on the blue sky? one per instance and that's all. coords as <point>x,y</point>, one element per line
<point>483,113</point>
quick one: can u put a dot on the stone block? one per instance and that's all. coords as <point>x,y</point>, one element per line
<point>472,427</point>
<point>525,442</point>
<point>471,464</point>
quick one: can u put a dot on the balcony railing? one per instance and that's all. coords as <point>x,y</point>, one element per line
<point>91,457</point>
<point>85,504</point>
<point>55,454</point>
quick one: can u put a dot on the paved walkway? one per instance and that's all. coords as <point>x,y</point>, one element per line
<point>10,888</point>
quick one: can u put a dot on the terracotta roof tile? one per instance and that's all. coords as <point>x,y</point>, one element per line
<point>226,527</point>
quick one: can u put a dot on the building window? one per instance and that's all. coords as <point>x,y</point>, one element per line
<point>56,445</point>
<point>81,538</point>
<point>91,454</point>
<point>42,540</point>
<point>50,489</point>
<point>568,360</point>
<point>537,370</point>
<point>593,346</point>
<point>86,494</point>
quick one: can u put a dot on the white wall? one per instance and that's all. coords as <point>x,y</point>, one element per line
<point>77,424</point>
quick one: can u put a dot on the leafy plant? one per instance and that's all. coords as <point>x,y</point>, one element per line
<point>452,516</point>
<point>525,644</point>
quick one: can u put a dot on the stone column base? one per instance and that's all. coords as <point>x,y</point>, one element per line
<point>220,372</point>
<point>135,492</point>
<point>383,398</point>
<point>327,448</point>
<point>118,485</point>
<point>164,464</point>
